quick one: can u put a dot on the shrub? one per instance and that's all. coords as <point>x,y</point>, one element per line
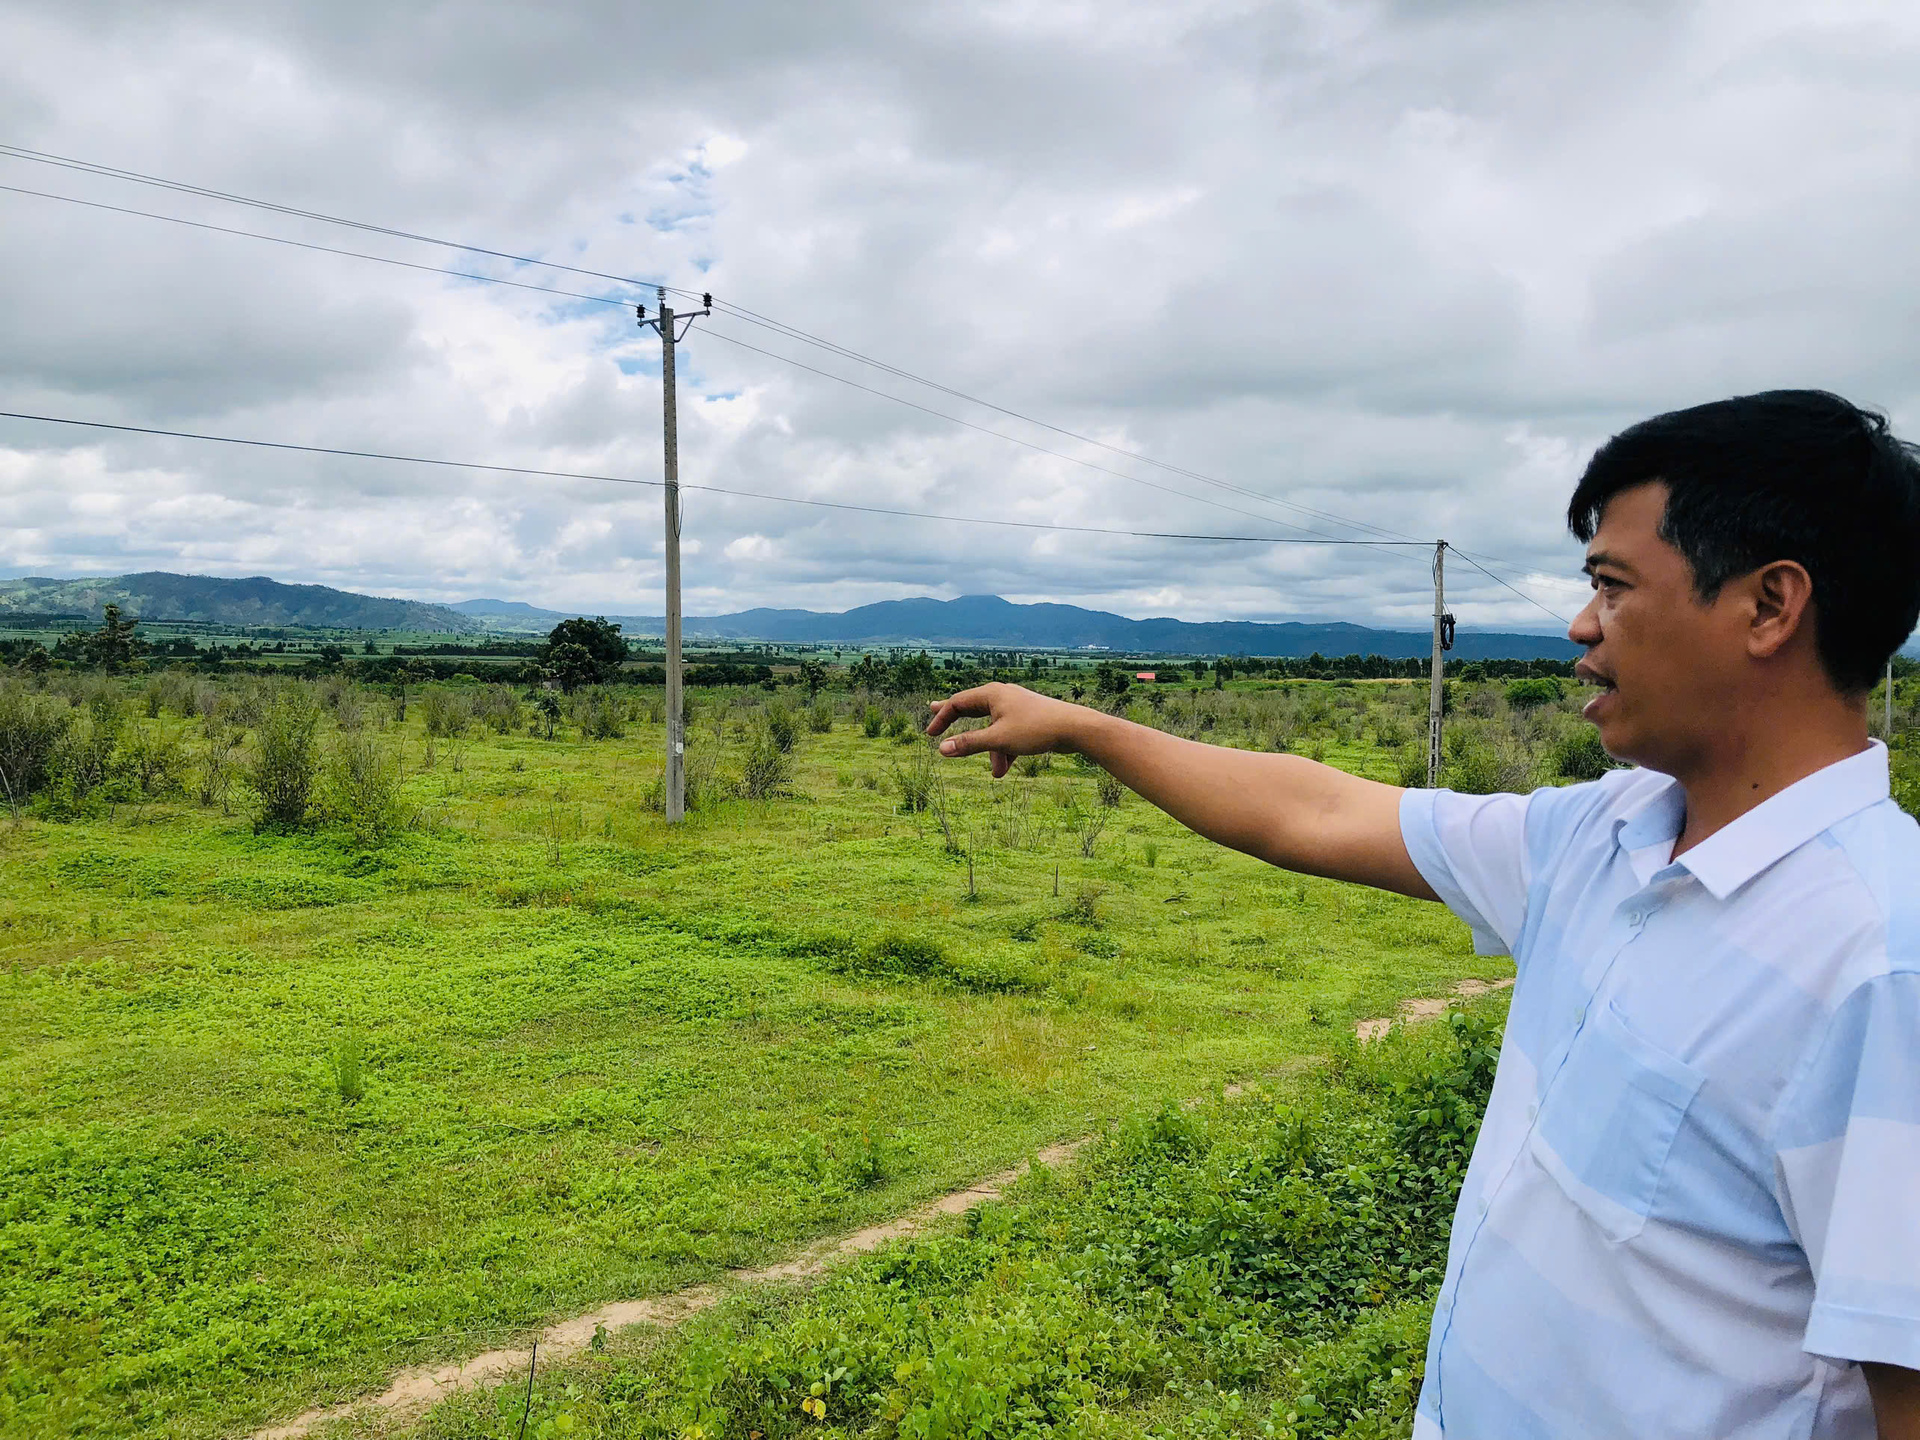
<point>597,713</point>
<point>216,770</point>
<point>872,722</point>
<point>1410,766</point>
<point>1906,780</point>
<point>1533,693</point>
<point>915,781</point>
<point>81,763</point>
<point>499,708</point>
<point>31,727</point>
<point>820,718</point>
<point>1109,789</point>
<point>767,769</point>
<point>154,761</point>
<point>1579,755</point>
<point>285,760</point>
<point>363,782</point>
<point>447,712</point>
<point>782,728</point>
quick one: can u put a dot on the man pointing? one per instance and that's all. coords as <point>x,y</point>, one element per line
<point>1693,1208</point>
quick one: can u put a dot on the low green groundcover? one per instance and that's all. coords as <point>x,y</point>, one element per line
<point>1260,1266</point>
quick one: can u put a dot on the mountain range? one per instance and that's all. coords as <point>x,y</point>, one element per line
<point>971,620</point>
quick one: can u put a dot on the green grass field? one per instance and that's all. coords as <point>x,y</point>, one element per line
<point>280,1113</point>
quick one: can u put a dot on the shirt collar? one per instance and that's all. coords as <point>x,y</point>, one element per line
<point>1776,827</point>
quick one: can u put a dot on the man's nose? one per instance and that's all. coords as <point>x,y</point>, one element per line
<point>1585,629</point>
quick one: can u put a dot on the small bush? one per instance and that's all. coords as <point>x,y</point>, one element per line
<point>820,718</point>
<point>31,728</point>
<point>872,722</point>
<point>915,780</point>
<point>782,728</point>
<point>214,774</point>
<point>447,712</point>
<point>766,770</point>
<point>364,778</point>
<point>1533,693</point>
<point>285,760</point>
<point>1579,755</point>
<point>1410,766</point>
<point>598,714</point>
<point>154,761</point>
<point>1109,789</point>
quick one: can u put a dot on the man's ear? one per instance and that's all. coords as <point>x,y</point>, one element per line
<point>1781,595</point>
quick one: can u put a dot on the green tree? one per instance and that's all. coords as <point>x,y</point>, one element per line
<point>868,674</point>
<point>572,665</point>
<point>911,675</point>
<point>598,639</point>
<point>1112,680</point>
<point>112,647</point>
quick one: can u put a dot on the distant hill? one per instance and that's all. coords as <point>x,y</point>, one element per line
<point>990,621</point>
<point>971,620</point>
<point>156,595</point>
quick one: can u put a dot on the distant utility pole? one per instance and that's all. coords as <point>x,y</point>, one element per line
<point>663,324</point>
<point>1442,642</point>
<point>1889,734</point>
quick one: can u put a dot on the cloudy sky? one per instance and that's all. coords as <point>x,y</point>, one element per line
<point>1403,264</point>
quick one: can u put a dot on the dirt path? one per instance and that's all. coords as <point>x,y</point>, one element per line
<point>414,1390</point>
<point>1426,1008</point>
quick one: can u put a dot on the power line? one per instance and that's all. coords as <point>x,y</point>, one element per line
<point>751,317</point>
<point>312,245</point>
<point>709,489</point>
<point>604,300</point>
<point>89,167</point>
<point>1498,581</point>
<point>740,312</point>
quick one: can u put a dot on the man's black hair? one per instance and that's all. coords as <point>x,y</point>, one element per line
<point>1785,475</point>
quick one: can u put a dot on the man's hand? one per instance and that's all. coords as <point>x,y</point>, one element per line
<point>1023,724</point>
<point>1282,808</point>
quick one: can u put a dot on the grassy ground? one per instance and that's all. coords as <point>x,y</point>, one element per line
<point>279,1114</point>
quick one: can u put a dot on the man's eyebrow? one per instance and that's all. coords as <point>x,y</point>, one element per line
<point>1601,557</point>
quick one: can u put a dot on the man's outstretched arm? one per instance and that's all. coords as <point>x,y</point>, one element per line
<point>1290,811</point>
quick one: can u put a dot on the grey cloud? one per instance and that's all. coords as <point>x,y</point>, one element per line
<point>1407,263</point>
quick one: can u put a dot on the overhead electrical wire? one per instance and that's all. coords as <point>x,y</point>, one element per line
<point>1389,538</point>
<point>708,489</point>
<point>718,334</point>
<point>1516,590</point>
<point>741,312</point>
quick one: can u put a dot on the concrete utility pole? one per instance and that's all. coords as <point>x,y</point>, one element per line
<point>670,426</point>
<point>1442,642</point>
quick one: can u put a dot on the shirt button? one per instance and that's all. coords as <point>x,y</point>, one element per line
<point>1483,1205</point>
<point>1533,1112</point>
<point>1579,1014</point>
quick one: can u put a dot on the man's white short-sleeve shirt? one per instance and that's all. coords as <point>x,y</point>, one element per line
<point>1694,1203</point>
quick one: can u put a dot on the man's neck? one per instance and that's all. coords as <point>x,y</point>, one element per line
<point>1757,761</point>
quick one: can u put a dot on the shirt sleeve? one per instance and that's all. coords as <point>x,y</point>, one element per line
<point>1472,849</point>
<point>1847,1170</point>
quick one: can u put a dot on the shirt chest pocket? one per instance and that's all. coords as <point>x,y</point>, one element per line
<point>1609,1122</point>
